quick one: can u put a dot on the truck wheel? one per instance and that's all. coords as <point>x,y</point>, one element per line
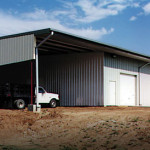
<point>53,103</point>
<point>20,104</point>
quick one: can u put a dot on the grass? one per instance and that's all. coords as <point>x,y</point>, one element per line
<point>86,136</point>
<point>114,146</point>
<point>135,119</point>
<point>68,148</point>
<point>94,140</point>
<point>2,147</point>
<point>140,138</point>
<point>125,133</point>
<point>11,147</point>
<point>148,120</point>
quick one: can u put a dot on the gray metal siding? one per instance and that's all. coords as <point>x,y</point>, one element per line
<point>16,49</point>
<point>120,62</point>
<point>77,78</point>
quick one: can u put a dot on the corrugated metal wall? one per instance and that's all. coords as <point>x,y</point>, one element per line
<point>16,49</point>
<point>113,67</point>
<point>77,78</point>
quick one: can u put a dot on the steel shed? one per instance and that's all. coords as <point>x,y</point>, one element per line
<point>83,72</point>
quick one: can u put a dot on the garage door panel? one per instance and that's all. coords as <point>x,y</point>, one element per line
<point>127,90</point>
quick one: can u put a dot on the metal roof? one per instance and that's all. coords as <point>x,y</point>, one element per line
<point>62,42</point>
<point>37,32</point>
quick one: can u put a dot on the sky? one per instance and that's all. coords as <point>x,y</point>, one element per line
<point>121,23</point>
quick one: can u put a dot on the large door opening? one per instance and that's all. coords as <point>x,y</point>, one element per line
<point>127,90</point>
<point>72,68</point>
<point>77,78</point>
<point>19,73</point>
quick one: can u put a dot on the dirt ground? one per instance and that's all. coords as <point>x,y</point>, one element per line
<point>76,128</point>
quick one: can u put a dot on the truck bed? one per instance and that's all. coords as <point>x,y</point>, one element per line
<point>15,90</point>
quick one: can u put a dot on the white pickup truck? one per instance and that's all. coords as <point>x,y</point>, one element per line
<point>47,98</point>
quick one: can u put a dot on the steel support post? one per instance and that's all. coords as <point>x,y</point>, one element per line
<point>37,77</point>
<point>31,82</point>
<point>37,68</point>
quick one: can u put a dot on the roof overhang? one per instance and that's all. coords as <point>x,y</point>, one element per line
<point>64,43</point>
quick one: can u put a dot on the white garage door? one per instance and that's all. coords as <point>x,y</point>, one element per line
<point>127,90</point>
